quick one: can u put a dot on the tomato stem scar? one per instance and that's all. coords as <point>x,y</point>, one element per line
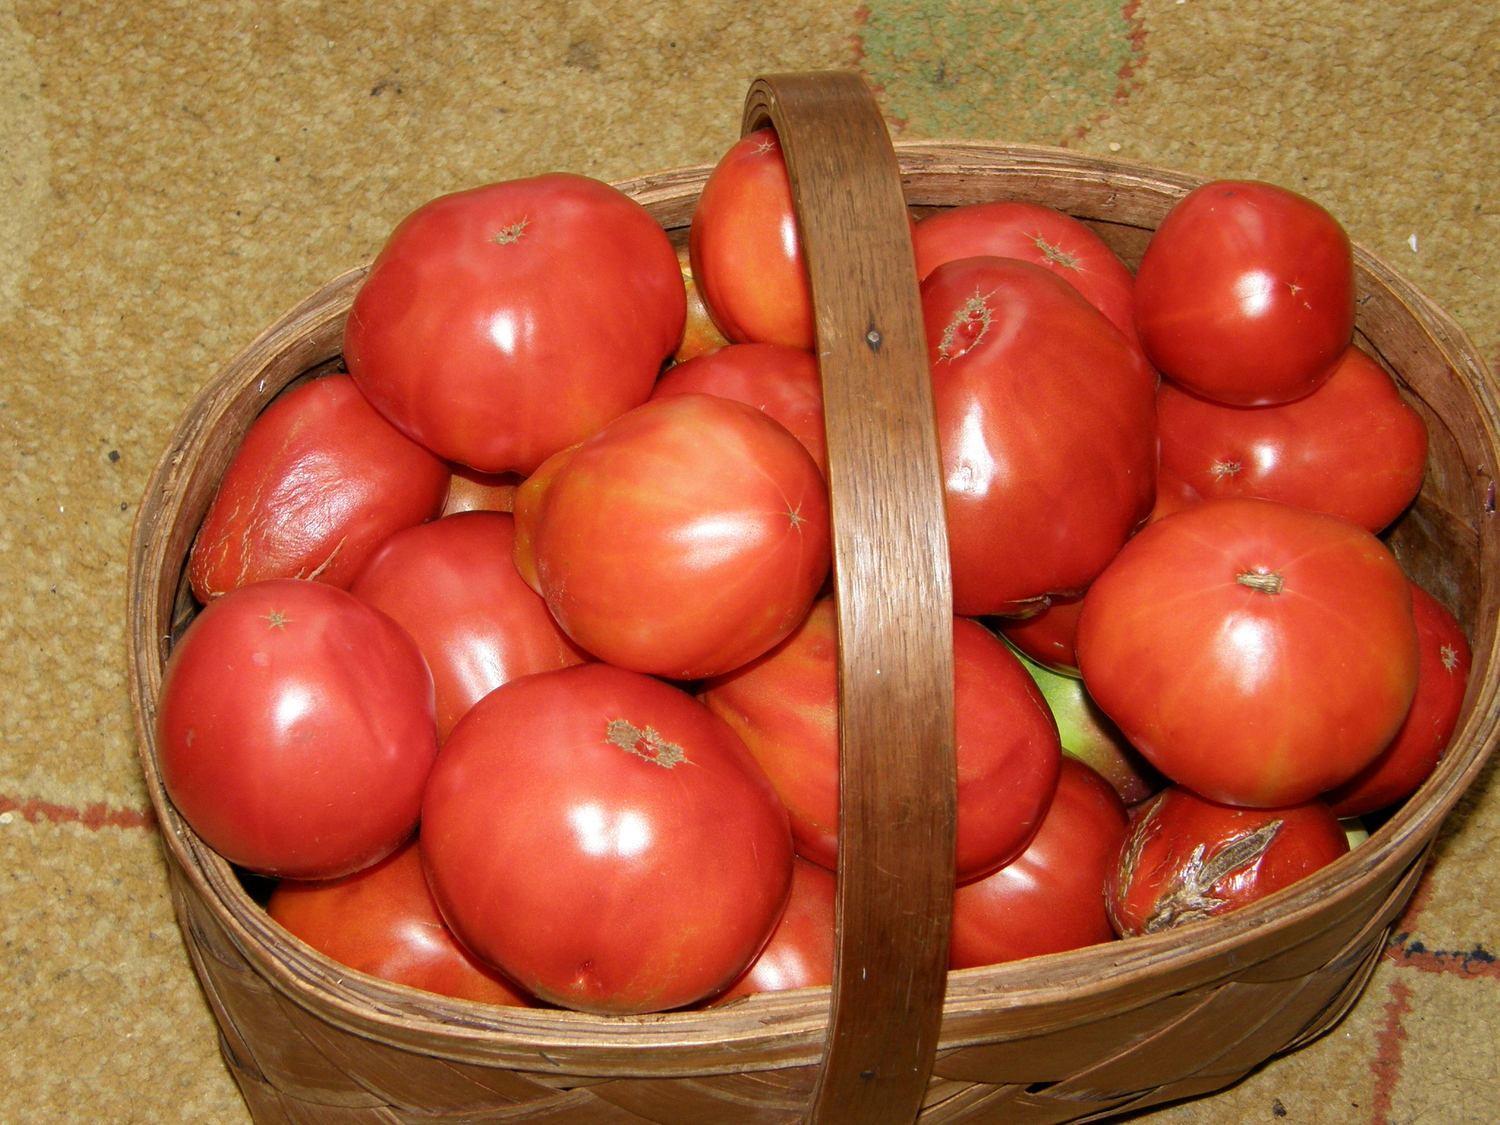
<point>1265,583</point>
<point>511,233</point>
<point>647,744</point>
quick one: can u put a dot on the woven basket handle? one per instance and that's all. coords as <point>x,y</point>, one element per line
<point>894,595</point>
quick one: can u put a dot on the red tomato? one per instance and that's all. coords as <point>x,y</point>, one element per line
<point>1172,493</point>
<point>1047,423</point>
<point>1033,233</point>
<point>1255,652</point>
<point>785,707</point>
<point>684,539</point>
<point>318,483</point>
<point>746,257</point>
<point>699,333</point>
<point>295,730</point>
<point>1051,897</point>
<point>472,491</point>
<point>1245,294</point>
<point>502,324</point>
<point>800,952</point>
<point>1187,859</point>
<point>1047,636</point>
<point>779,380</point>
<point>1351,448</point>
<point>453,586</point>
<point>1442,677</point>
<point>605,840</point>
<point>382,921</point>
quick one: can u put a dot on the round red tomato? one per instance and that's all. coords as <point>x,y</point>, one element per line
<point>1187,859</point>
<point>502,324</point>
<point>1051,897</point>
<point>605,840</point>
<point>452,584</point>
<point>319,482</point>
<point>1245,293</point>
<point>800,952</point>
<point>1351,448</point>
<point>684,539</point>
<point>1255,652</point>
<point>295,730</point>
<point>382,921</point>
<point>1047,425</point>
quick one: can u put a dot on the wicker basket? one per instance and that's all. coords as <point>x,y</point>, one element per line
<point>1068,1037</point>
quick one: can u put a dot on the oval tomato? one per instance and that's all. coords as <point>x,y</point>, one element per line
<point>605,840</point>
<point>295,730</point>
<point>1245,293</point>
<point>382,921</point>
<point>1255,652</point>
<point>502,324</point>
<point>800,952</point>
<point>319,482</point>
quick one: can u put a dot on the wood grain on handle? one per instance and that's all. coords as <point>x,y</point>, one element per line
<point>895,606</point>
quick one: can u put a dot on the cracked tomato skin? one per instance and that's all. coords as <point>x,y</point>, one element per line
<point>1187,858</point>
<point>606,841</point>
<point>319,482</point>
<point>501,324</point>
<point>295,730</point>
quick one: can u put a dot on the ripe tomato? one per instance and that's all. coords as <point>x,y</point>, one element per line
<point>452,584</point>
<point>295,730</point>
<point>800,952</point>
<point>502,324</point>
<point>1245,293</point>
<point>1187,859</point>
<point>1047,424</point>
<point>605,840</point>
<point>1033,233</point>
<point>1051,897</point>
<point>1351,448</point>
<point>1255,652</point>
<point>1047,636</point>
<point>318,483</point>
<point>684,539</point>
<point>785,707</point>
<point>382,921</point>
<point>1442,677</point>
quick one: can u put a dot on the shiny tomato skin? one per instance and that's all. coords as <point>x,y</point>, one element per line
<point>1050,898</point>
<point>295,730</point>
<point>1047,636</point>
<point>320,480</point>
<point>1245,293</point>
<point>382,921</point>
<point>684,539</point>
<point>453,585</point>
<point>1032,233</point>
<point>745,252</point>
<point>501,324</point>
<point>785,708</point>
<point>699,332</point>
<point>605,840</point>
<point>800,952</point>
<point>1442,679</point>
<point>1047,427</point>
<point>1255,652</point>
<point>1187,859</point>
<point>780,380</point>
<point>1351,448</point>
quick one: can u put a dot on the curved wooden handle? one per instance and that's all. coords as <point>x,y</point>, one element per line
<point>894,593</point>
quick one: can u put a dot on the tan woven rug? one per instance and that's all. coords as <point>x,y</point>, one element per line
<point>172,176</point>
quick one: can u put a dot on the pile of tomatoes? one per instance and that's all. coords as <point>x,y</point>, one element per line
<point>516,664</point>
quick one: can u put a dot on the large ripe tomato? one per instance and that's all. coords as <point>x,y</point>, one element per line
<point>684,539</point>
<point>606,840</point>
<point>1255,652</point>
<point>1245,293</point>
<point>295,730</point>
<point>502,324</point>
<point>1351,448</point>
<point>452,584</point>
<point>319,482</point>
<point>1047,424</point>
<point>1033,233</point>
<point>382,921</point>
<point>1051,897</point>
<point>785,707</point>
<point>1187,859</point>
<point>800,952</point>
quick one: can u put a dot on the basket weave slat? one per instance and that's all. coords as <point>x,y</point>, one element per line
<point>1068,1038</point>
